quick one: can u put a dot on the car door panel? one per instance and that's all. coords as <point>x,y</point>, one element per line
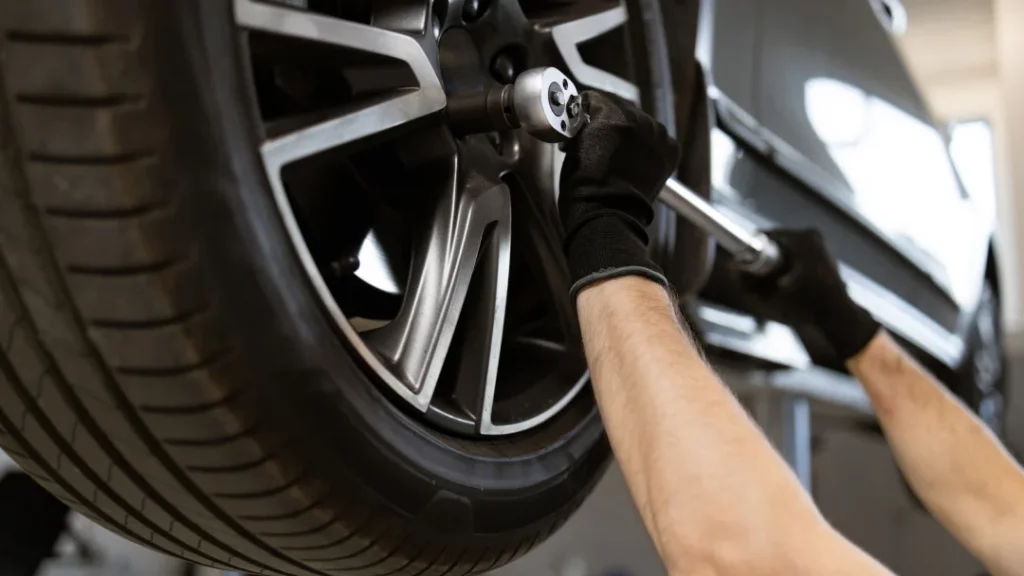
<point>774,163</point>
<point>734,46</point>
<point>778,197</point>
<point>833,90</point>
<point>752,189</point>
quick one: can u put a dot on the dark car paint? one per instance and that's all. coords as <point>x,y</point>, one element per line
<point>764,54</point>
<point>775,195</point>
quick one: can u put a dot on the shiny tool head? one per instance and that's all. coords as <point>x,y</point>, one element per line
<point>543,101</point>
<point>547,104</point>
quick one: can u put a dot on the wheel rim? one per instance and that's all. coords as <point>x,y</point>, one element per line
<point>987,362</point>
<point>469,322</point>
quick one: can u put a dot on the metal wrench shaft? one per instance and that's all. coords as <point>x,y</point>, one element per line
<point>754,252</point>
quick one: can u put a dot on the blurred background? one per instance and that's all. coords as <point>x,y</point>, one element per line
<point>967,57</point>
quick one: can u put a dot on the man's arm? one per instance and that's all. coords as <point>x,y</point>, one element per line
<point>715,496</point>
<point>954,463</point>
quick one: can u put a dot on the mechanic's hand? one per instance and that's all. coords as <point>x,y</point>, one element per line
<point>808,291</point>
<point>614,169</point>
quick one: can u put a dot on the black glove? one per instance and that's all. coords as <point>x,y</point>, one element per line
<point>808,291</point>
<point>613,171</point>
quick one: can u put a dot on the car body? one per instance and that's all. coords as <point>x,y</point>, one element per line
<point>819,124</point>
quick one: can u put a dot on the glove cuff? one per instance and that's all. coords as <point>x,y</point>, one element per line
<point>608,247</point>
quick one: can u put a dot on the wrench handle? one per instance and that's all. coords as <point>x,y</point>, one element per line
<point>754,252</point>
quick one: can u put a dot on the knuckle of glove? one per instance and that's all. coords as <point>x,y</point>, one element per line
<point>621,156</point>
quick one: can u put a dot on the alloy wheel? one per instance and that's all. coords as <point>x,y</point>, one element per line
<point>438,258</point>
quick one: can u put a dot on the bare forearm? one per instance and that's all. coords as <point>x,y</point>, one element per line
<point>953,462</point>
<point>713,493</point>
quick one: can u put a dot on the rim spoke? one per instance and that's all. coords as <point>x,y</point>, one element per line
<point>357,123</point>
<point>568,36</point>
<point>477,370</point>
<point>540,230</point>
<point>408,16</point>
<point>416,342</point>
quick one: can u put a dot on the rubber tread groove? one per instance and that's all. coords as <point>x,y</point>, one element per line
<point>189,443</point>
<point>412,558</point>
<point>497,556</point>
<point>66,39</point>
<point>148,324</point>
<point>433,562</point>
<point>516,550</point>
<point>83,214</point>
<point>354,532</point>
<point>262,494</point>
<point>190,410</point>
<point>286,516</point>
<point>88,160</point>
<point>166,371</point>
<point>477,562</point>
<point>454,563</point>
<point>389,554</point>
<point>119,271</point>
<point>72,101</point>
<point>234,469</point>
<point>318,528</point>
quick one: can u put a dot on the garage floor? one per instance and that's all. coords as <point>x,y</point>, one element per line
<point>856,484</point>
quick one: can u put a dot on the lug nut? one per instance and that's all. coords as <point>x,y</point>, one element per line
<point>574,108</point>
<point>503,68</point>
<point>557,98</point>
<point>345,266</point>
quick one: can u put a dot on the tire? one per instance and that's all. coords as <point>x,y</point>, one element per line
<point>167,369</point>
<point>981,380</point>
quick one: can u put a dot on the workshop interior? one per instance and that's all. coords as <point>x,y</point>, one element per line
<point>282,288</point>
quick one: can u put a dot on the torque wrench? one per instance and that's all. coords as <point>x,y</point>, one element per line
<point>546,104</point>
<point>752,251</point>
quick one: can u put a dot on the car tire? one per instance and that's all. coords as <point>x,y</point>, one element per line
<point>167,370</point>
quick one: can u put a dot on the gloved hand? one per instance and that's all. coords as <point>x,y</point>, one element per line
<point>613,172</point>
<point>808,291</point>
